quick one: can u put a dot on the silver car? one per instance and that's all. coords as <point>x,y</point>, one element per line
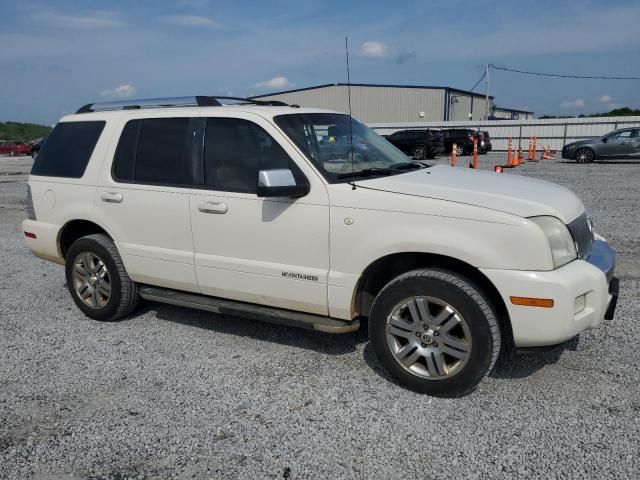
<point>623,143</point>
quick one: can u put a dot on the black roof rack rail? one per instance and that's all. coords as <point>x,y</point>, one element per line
<point>197,101</point>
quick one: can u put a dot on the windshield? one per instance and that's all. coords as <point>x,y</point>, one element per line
<point>325,138</point>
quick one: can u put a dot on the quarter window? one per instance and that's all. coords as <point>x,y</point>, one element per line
<point>67,150</point>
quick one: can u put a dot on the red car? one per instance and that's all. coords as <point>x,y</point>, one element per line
<point>14,148</point>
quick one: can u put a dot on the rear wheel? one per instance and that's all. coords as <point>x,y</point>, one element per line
<point>97,279</point>
<point>419,153</point>
<point>434,332</point>
<point>460,150</point>
<point>584,155</point>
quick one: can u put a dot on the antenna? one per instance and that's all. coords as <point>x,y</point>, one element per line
<point>351,152</point>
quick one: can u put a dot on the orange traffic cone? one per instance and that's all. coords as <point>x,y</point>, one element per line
<point>546,154</point>
<point>454,157</point>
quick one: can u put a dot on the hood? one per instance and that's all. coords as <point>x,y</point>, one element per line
<point>514,194</point>
<point>580,143</point>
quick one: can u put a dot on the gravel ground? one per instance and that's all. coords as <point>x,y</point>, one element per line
<point>176,393</point>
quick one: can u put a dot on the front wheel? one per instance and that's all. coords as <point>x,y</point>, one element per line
<point>97,279</point>
<point>435,332</point>
<point>460,150</point>
<point>584,155</point>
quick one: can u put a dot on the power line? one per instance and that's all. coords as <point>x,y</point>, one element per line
<point>592,77</point>
<point>478,82</point>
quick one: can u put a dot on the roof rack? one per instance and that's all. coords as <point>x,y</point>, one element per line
<point>197,101</point>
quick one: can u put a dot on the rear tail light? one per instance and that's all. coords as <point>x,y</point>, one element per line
<point>31,212</point>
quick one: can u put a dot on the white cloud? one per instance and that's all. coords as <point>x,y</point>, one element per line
<point>577,103</point>
<point>373,49</point>
<point>275,82</point>
<point>196,21</point>
<point>605,99</point>
<point>121,91</point>
<point>89,21</point>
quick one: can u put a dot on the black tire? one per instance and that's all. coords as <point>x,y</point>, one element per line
<point>419,152</point>
<point>584,155</point>
<point>123,292</point>
<point>461,151</point>
<point>466,299</point>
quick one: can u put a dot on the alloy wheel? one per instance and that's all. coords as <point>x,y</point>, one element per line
<point>428,337</point>
<point>91,280</point>
<point>584,155</point>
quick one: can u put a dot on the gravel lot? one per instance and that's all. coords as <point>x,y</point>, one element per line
<point>176,393</point>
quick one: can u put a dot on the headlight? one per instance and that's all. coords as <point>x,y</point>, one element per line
<point>563,248</point>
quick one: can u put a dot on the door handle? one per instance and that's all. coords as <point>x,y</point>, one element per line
<point>111,197</point>
<point>213,207</point>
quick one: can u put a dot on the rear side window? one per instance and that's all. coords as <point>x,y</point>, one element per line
<point>67,150</point>
<point>155,151</point>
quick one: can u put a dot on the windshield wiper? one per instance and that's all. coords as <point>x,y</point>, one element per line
<point>367,172</point>
<point>407,165</point>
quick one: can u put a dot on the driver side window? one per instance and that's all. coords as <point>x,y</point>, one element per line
<point>235,150</point>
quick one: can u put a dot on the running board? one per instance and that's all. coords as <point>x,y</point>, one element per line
<point>249,310</point>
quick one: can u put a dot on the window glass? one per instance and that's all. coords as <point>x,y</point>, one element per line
<point>126,152</point>
<point>635,133</point>
<point>67,150</point>
<point>162,155</point>
<point>353,150</point>
<point>625,134</point>
<point>235,150</point>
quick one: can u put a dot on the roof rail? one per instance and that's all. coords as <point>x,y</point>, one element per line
<point>197,101</point>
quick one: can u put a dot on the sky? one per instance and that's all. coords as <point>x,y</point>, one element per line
<point>58,55</point>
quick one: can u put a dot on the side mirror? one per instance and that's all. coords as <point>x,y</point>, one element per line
<point>280,183</point>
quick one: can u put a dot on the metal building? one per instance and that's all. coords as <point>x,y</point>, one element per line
<point>392,103</point>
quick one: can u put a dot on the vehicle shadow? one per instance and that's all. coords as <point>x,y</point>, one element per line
<point>513,365</point>
<point>605,162</point>
<point>520,364</point>
<point>325,343</point>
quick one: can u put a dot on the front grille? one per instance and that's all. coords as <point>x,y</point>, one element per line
<point>582,234</point>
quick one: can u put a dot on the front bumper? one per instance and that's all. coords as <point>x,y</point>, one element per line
<point>584,293</point>
<point>568,152</point>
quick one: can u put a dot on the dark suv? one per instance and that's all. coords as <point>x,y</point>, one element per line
<point>463,138</point>
<point>419,144</point>
<point>484,143</point>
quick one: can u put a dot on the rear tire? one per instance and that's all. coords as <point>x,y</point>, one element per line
<point>419,152</point>
<point>97,279</point>
<point>460,151</point>
<point>435,332</point>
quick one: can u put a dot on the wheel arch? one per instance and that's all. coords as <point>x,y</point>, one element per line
<point>75,229</point>
<point>380,272</point>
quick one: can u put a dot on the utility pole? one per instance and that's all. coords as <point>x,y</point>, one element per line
<point>486,98</point>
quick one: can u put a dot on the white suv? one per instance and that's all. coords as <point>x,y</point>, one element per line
<point>306,217</point>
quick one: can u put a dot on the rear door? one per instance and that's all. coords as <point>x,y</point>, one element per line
<point>143,200</point>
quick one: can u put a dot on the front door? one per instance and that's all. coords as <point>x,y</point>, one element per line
<point>268,251</point>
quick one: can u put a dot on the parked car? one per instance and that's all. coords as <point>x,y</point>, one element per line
<point>35,147</point>
<point>462,137</point>
<point>484,143</point>
<point>623,143</point>
<point>419,144</point>
<point>14,148</point>
<point>237,211</point>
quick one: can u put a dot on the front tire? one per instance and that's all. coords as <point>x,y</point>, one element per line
<point>97,279</point>
<point>460,151</point>
<point>584,155</point>
<point>435,332</point>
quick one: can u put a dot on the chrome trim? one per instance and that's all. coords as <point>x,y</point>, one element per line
<point>603,257</point>
<point>582,233</point>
